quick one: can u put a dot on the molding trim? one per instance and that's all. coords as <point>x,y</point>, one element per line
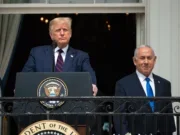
<point>72,8</point>
<point>140,29</point>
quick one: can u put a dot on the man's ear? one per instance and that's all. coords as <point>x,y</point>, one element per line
<point>50,34</point>
<point>71,33</point>
<point>134,60</point>
<point>155,59</point>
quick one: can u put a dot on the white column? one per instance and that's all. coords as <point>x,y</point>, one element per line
<point>140,29</point>
<point>162,32</point>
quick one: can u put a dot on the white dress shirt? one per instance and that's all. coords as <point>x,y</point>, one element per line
<point>143,81</point>
<point>63,54</point>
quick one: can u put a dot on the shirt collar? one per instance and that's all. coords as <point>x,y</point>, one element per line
<point>142,77</point>
<point>64,49</point>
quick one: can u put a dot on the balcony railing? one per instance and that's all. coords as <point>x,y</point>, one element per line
<point>95,112</point>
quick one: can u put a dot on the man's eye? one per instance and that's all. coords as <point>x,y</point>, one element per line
<point>150,58</point>
<point>58,30</point>
<point>65,30</point>
<point>142,58</point>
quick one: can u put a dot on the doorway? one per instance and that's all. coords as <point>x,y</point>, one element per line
<point>109,39</point>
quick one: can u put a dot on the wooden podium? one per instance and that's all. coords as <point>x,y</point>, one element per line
<point>81,129</point>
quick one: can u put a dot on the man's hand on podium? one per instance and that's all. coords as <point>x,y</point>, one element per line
<point>95,89</point>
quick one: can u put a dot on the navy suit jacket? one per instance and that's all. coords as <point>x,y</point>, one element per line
<point>131,86</point>
<point>41,59</point>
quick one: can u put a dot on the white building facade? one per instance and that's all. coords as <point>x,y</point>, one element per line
<point>158,25</point>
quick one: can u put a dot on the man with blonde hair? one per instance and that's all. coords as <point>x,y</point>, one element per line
<point>66,58</point>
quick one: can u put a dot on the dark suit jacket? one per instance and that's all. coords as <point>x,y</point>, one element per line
<point>41,59</point>
<point>131,86</point>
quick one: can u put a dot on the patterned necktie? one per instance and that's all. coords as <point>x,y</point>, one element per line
<point>59,63</point>
<point>149,93</point>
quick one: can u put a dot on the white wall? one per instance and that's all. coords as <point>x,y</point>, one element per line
<point>163,34</point>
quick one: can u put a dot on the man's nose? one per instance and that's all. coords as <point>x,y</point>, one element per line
<point>62,32</point>
<point>145,60</point>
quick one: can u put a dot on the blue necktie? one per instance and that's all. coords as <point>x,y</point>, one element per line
<point>149,93</point>
<point>59,63</point>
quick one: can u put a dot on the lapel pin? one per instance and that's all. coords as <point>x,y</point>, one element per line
<point>158,81</point>
<point>71,56</point>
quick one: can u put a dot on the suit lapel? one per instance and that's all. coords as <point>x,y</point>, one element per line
<point>140,90</point>
<point>49,57</point>
<point>158,90</point>
<point>69,59</point>
<point>157,86</point>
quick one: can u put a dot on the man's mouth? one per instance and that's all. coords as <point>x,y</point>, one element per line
<point>146,68</point>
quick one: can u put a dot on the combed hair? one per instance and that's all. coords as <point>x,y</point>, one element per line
<point>141,46</point>
<point>60,19</point>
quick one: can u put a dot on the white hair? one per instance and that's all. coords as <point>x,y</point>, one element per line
<point>141,46</point>
<point>60,19</point>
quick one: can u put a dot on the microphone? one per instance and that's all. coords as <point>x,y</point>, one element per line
<point>54,45</point>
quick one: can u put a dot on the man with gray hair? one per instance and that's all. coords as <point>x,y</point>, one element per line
<point>144,83</point>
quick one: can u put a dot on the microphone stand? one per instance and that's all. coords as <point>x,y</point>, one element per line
<point>53,57</point>
<point>53,66</point>
<point>47,116</point>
